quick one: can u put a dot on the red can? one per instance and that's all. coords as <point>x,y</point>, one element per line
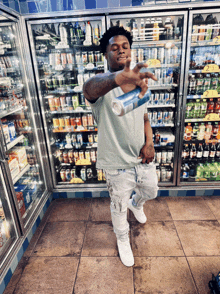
<point>72,122</point>
<point>51,103</point>
<point>65,157</point>
<point>78,120</point>
<point>57,103</point>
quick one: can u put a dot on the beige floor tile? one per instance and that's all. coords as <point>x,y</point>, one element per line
<point>163,275</point>
<point>100,240</point>
<point>48,275</point>
<point>189,208</point>
<point>61,239</point>
<point>214,204</point>
<point>202,269</point>
<point>100,210</point>
<point>103,275</point>
<point>199,238</point>
<point>155,210</point>
<point>70,210</point>
<point>155,239</point>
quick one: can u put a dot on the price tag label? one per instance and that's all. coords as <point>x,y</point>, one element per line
<point>153,63</point>
<point>83,162</point>
<point>212,117</point>
<point>210,94</point>
<point>211,68</point>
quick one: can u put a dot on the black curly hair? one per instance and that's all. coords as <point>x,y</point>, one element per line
<point>111,32</point>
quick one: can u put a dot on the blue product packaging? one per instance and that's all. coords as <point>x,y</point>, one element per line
<point>129,101</point>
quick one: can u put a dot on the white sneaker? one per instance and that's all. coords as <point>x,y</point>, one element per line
<point>138,213</point>
<point>125,252</point>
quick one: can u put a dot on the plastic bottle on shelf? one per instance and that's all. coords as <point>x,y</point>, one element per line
<point>135,30</point>
<point>149,29</point>
<point>142,30</point>
<point>209,25</point>
<point>188,132</point>
<point>168,25</point>
<point>88,34</point>
<point>210,106</point>
<point>201,132</point>
<point>96,35</point>
<point>214,81</point>
<point>192,85</point>
<point>203,109</point>
<point>208,131</point>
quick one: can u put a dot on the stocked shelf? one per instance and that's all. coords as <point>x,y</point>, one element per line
<point>163,87</point>
<point>75,131</point>
<point>153,43</point>
<point>70,111</point>
<point>6,113</point>
<point>23,171</point>
<point>14,142</point>
<point>161,105</point>
<point>162,125</point>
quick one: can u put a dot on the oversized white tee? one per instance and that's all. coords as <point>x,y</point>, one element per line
<point>120,138</point>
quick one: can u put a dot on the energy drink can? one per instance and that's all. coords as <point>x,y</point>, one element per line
<point>140,55</point>
<point>68,175</point>
<point>80,79</point>
<point>76,156</point>
<point>160,54</point>
<point>165,117</point>
<point>83,173</point>
<point>84,57</point>
<point>164,76</point>
<point>158,157</point>
<point>87,155</point>
<point>90,138</point>
<point>151,101</point>
<point>96,138</point>
<point>158,74</point>
<point>158,173</point>
<point>99,174</point>
<point>163,175</point>
<point>63,59</point>
<point>154,53</point>
<point>89,174</point>
<point>79,138</point>
<point>170,117</point>
<point>156,97</point>
<point>93,156</point>
<point>63,102</point>
<point>75,101</point>
<point>84,121</point>
<point>51,103</point>
<point>56,123</point>
<point>57,103</point>
<point>91,56</point>
<point>81,155</point>
<point>167,98</point>
<point>61,123</point>
<point>78,58</point>
<point>147,53</point>
<point>162,98</point>
<point>150,116</point>
<point>164,156</point>
<point>67,123</point>
<point>154,117</point>
<point>63,175</point>
<point>90,120</point>
<point>172,97</point>
<point>69,103</point>
<point>73,173</point>
<point>160,117</point>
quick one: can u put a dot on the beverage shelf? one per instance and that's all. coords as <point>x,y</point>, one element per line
<point>162,43</point>
<point>23,171</point>
<point>6,113</point>
<point>195,71</point>
<point>75,131</point>
<point>163,87</point>
<point>161,105</point>
<point>200,96</point>
<point>162,125</point>
<point>205,43</point>
<point>14,142</point>
<point>199,120</point>
<point>70,111</point>
<point>64,91</point>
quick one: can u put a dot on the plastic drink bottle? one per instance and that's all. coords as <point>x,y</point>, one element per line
<point>129,101</point>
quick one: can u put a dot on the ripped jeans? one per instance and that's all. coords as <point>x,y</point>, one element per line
<point>142,179</point>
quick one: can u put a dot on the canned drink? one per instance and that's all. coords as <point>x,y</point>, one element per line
<point>54,81</point>
<point>154,53</point>
<point>52,59</point>
<point>63,175</point>
<point>154,117</point>
<point>69,103</point>
<point>150,116</point>
<point>147,53</point>
<point>80,79</point>
<point>156,97</point>
<point>164,76</point>
<point>71,156</point>
<point>89,174</point>
<point>51,103</point>
<point>78,58</point>
<point>151,101</point>
<point>163,175</point>
<point>96,138</point>
<point>84,57</point>
<point>67,123</point>
<point>158,173</point>
<point>72,123</point>
<point>56,123</point>
<point>96,56</point>
<point>167,98</point>
<point>167,56</point>
<point>169,75</point>
<point>73,138</point>
<point>160,54</point>
<point>90,138</point>
<point>76,156</point>
<point>61,123</point>
<point>162,99</point>
<point>63,102</point>
<point>172,97</point>
<point>57,103</point>
<point>79,138</point>
<point>163,156</point>
<point>158,157</point>
<point>90,120</point>
<point>82,100</point>
<point>83,173</point>
<point>68,174</point>
<point>73,173</point>
<point>99,174</point>
<point>60,80</point>
<point>65,157</point>
<point>170,117</point>
<point>57,59</point>
<point>140,55</point>
<point>84,120</point>
<point>158,74</point>
<point>168,175</point>
<point>78,120</point>
<point>60,156</point>
<point>81,155</point>
<point>75,101</point>
<point>91,57</point>
<point>63,59</point>
<point>93,156</point>
<point>69,57</point>
<point>169,156</point>
<point>165,117</point>
<point>87,155</point>
<point>49,83</point>
<point>160,117</point>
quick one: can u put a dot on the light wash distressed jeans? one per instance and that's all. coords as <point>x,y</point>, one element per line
<point>142,179</point>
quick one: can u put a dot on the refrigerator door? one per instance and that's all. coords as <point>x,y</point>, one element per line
<point>159,40</point>
<point>19,142</point>
<point>199,159</point>
<point>65,53</point>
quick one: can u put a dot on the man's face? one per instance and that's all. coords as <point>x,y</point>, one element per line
<point>118,50</point>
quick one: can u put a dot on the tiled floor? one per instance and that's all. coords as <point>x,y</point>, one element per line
<point>74,249</point>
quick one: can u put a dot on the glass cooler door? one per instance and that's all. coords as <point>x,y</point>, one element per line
<point>65,53</point>
<point>200,141</point>
<point>159,40</point>
<point>17,128</point>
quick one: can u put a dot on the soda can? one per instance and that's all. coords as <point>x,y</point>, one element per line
<point>160,117</point>
<point>169,75</point>
<point>158,74</point>
<point>67,123</point>
<point>167,56</point>
<point>167,98</point>
<point>63,59</point>
<point>65,157</point>
<point>90,138</point>
<point>151,101</point>
<point>160,54</point>
<point>81,155</point>
<point>96,138</point>
<point>164,76</point>
<point>89,174</point>
<point>79,138</point>
<point>154,53</point>
<point>72,123</point>
<point>73,173</point>
<point>172,97</point>
<point>78,58</point>
<point>163,156</point>
<point>61,123</point>
<point>69,103</point>
<point>57,59</point>
<point>163,175</point>
<point>84,57</point>
<point>57,103</point>
<point>52,59</point>
<point>78,120</point>
<point>93,156</point>
<point>158,157</point>
<point>154,117</point>
<point>90,120</point>
<point>140,55</point>
<point>150,116</point>
<point>69,57</point>
<point>156,97</point>
<point>161,98</point>
<point>76,156</point>
<point>158,173</point>
<point>63,102</point>
<point>68,174</point>
<point>71,156</point>
<point>75,101</point>
<point>165,117</point>
<point>51,103</point>
<point>99,174</point>
<point>80,79</point>
<point>56,123</point>
<point>84,120</point>
<point>83,173</point>
<point>87,155</point>
<point>134,55</point>
<point>63,175</point>
<point>170,117</point>
<point>91,56</point>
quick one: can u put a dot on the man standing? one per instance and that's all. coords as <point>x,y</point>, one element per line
<point>125,144</point>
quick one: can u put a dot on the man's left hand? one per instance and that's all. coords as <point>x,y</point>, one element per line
<point>147,153</point>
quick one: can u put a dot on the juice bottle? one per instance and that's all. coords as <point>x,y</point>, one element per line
<point>208,131</point>
<point>210,106</point>
<point>215,130</point>
<point>195,131</point>
<point>155,32</point>
<point>188,132</point>
<point>217,106</point>
<point>201,132</point>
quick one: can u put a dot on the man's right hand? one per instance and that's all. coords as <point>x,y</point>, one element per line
<point>128,79</point>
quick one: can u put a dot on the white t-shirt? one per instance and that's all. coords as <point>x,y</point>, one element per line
<point>120,138</point>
